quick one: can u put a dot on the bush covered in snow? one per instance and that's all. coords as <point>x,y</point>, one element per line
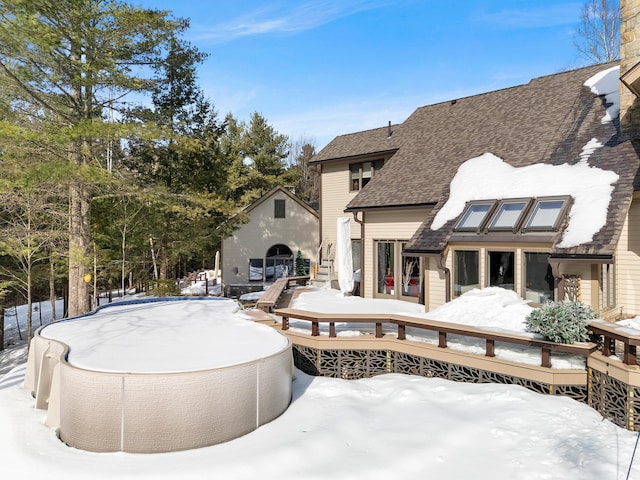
<point>561,322</point>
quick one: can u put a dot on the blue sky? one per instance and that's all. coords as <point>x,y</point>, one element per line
<point>316,69</point>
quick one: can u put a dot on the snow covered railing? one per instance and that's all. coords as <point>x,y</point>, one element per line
<point>610,333</point>
<point>270,297</point>
<point>442,328</point>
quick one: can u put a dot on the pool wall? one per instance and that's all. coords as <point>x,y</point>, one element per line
<point>150,413</point>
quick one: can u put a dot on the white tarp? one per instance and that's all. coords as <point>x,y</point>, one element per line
<point>343,250</point>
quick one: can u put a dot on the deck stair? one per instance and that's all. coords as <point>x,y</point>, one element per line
<point>324,274</point>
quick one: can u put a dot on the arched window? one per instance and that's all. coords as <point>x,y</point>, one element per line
<point>279,262</point>
<point>279,250</point>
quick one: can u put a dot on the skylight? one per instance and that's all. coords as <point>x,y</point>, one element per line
<point>517,215</point>
<point>473,216</point>
<point>545,215</point>
<point>508,215</point>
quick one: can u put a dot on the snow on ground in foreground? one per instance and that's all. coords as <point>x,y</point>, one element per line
<point>387,427</point>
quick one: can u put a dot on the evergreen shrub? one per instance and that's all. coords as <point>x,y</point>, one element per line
<point>561,322</point>
<point>164,288</point>
<point>299,268</point>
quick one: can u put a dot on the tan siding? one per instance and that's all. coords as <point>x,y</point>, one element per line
<point>437,285</point>
<point>628,263</point>
<point>335,196</point>
<point>387,225</point>
<point>299,230</point>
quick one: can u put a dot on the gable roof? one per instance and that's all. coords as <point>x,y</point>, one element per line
<point>549,120</point>
<point>287,192</point>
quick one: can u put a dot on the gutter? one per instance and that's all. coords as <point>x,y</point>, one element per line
<point>440,263</point>
<point>361,223</point>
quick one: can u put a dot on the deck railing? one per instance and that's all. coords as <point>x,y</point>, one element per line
<point>609,333</point>
<point>547,348</point>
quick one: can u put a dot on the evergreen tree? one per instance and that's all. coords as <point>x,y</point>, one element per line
<point>183,165</point>
<point>72,60</point>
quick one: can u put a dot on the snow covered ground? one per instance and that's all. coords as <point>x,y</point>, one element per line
<point>390,426</point>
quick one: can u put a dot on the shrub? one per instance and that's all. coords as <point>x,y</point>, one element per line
<point>561,322</point>
<point>164,288</point>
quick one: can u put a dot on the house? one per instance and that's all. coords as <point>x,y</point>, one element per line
<point>278,225</point>
<point>533,188</point>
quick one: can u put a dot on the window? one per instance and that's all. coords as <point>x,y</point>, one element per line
<point>473,216</point>
<point>539,282</point>
<point>397,275</point>
<point>546,214</point>
<point>278,262</point>
<point>515,215</point>
<point>501,270</point>
<point>279,206</point>
<point>255,269</point>
<point>507,216</point>
<point>410,276</point>
<point>356,254</point>
<point>386,268</point>
<point>361,173</point>
<point>607,286</point>
<point>465,271</point>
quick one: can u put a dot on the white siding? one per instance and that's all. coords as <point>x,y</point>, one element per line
<point>299,230</point>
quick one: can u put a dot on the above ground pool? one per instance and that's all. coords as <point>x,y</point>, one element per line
<point>159,375</point>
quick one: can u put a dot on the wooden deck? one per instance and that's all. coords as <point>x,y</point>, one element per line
<point>442,328</point>
<point>278,294</point>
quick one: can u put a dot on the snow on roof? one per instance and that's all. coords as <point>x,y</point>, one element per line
<point>489,177</point>
<point>607,83</point>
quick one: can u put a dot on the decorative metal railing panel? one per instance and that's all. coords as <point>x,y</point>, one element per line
<point>355,364</point>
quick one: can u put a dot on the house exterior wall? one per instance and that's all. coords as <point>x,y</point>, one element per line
<point>393,225</point>
<point>629,56</point>
<point>334,197</point>
<point>435,293</point>
<point>299,230</point>
<point>628,262</point>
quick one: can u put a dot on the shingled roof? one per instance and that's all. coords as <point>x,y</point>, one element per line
<point>548,120</point>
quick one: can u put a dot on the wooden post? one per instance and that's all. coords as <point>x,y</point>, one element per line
<point>332,329</point>
<point>442,339</point>
<point>546,357</point>
<point>314,328</point>
<point>379,330</point>
<point>402,332</point>
<point>490,348</point>
<point>630,354</point>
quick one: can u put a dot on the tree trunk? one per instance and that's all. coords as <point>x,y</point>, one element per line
<point>52,286</point>
<point>79,248</point>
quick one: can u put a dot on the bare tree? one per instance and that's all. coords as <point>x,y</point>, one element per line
<point>307,174</point>
<point>30,221</point>
<point>597,38</point>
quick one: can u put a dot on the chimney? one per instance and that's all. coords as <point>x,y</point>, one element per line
<point>389,132</point>
<point>630,64</point>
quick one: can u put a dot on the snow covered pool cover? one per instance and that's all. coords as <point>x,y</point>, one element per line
<point>165,336</point>
<point>159,375</point>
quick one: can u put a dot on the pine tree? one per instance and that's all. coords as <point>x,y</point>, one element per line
<point>70,61</point>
